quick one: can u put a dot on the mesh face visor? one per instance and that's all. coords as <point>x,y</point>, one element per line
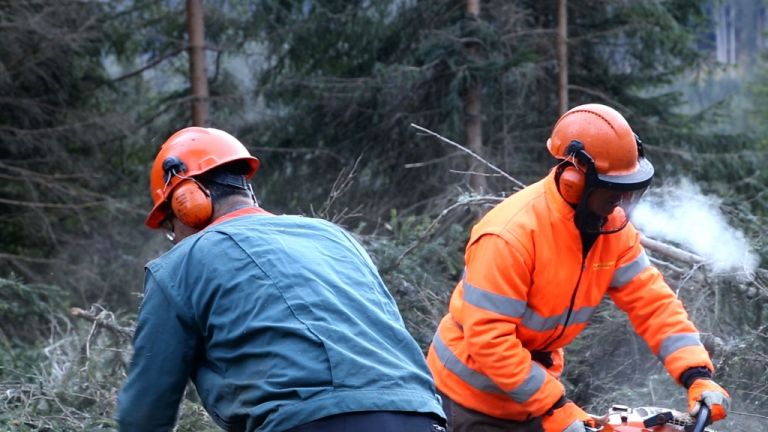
<point>616,196</point>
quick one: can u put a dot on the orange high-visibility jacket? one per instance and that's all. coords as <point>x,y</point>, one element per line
<point>527,288</point>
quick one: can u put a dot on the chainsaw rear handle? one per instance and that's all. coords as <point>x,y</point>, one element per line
<point>702,419</point>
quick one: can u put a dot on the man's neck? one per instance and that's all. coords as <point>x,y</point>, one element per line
<point>230,204</point>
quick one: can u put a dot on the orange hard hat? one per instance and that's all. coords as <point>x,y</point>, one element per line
<point>187,153</point>
<point>607,138</point>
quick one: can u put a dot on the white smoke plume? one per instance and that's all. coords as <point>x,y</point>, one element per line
<point>680,213</point>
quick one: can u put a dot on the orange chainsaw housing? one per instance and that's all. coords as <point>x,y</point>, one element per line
<point>621,418</point>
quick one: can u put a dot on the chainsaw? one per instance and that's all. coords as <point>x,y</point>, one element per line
<point>622,418</point>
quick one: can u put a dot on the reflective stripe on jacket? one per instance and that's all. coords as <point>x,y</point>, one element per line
<point>526,287</point>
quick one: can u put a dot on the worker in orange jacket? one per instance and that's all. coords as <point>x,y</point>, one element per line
<point>537,267</point>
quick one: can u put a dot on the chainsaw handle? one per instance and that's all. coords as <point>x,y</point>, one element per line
<point>702,419</point>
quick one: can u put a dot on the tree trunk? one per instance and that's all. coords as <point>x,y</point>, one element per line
<point>562,54</point>
<point>197,66</point>
<point>473,121</point>
<point>473,8</point>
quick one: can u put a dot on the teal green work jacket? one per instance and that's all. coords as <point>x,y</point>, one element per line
<point>278,321</point>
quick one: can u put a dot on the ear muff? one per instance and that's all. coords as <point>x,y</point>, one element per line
<point>571,184</point>
<point>572,179</point>
<point>191,204</point>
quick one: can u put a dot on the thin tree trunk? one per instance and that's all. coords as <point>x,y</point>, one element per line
<point>473,8</point>
<point>197,65</point>
<point>562,54</point>
<point>473,121</point>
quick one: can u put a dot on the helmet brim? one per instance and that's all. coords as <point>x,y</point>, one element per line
<point>157,215</point>
<point>638,179</point>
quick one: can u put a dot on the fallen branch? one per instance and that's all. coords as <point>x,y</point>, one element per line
<point>753,287</point>
<point>671,251</point>
<point>105,320</point>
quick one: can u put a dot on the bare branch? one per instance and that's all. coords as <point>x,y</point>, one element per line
<point>52,205</point>
<point>298,150</point>
<point>490,165</point>
<point>36,175</point>
<point>342,183</point>
<point>430,162</point>
<point>150,65</point>
<point>602,95</point>
<point>103,319</point>
<point>12,257</point>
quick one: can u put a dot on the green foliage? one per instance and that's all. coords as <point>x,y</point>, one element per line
<point>44,79</point>
<point>59,374</point>
<point>353,92</point>
<point>91,89</point>
<point>28,306</point>
<point>420,268</point>
<point>39,376</point>
<point>61,139</point>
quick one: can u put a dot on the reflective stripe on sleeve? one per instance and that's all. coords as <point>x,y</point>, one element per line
<point>624,274</point>
<point>514,308</point>
<point>674,342</point>
<point>520,394</point>
<point>495,302</point>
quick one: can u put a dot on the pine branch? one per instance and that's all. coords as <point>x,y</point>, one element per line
<point>463,201</point>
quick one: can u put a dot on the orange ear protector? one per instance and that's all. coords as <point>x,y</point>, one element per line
<point>571,184</point>
<point>191,201</point>
<point>572,177</point>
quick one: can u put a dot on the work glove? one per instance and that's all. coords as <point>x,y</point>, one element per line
<point>706,391</point>
<point>566,416</point>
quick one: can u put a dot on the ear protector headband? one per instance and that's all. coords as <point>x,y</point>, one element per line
<point>191,201</point>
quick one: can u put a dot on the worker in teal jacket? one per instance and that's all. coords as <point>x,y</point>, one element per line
<point>281,322</point>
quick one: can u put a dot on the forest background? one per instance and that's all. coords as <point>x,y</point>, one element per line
<point>325,92</point>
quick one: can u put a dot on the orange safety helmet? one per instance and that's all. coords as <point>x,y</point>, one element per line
<point>606,138</point>
<point>188,153</point>
<point>598,149</point>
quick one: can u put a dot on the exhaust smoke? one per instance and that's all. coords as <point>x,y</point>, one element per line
<point>680,213</point>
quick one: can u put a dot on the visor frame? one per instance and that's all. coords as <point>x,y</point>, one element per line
<point>639,179</point>
<point>633,185</point>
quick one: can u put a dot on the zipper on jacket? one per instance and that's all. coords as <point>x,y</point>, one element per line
<point>588,240</point>
<point>570,306</point>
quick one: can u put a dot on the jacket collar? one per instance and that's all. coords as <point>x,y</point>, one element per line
<point>241,212</point>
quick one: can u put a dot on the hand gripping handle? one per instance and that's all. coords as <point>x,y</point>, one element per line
<point>702,419</point>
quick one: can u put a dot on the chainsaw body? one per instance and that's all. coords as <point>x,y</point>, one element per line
<point>622,418</point>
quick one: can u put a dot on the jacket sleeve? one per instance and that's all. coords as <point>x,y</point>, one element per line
<point>656,313</point>
<point>162,360</point>
<point>496,283</point>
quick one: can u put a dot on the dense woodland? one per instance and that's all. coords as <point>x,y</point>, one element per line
<point>324,92</point>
